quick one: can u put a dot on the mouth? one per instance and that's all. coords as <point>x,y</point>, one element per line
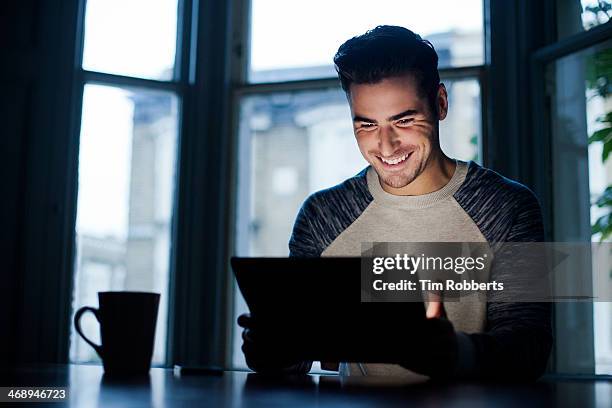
<point>395,161</point>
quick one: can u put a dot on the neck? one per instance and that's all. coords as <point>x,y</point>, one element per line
<point>437,173</point>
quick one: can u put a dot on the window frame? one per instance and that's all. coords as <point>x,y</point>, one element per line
<point>202,32</point>
<point>177,85</point>
<point>576,313</point>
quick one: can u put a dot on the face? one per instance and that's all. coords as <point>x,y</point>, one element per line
<point>395,129</point>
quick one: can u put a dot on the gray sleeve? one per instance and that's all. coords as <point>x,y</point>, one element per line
<point>518,337</point>
<point>303,242</point>
<point>326,214</point>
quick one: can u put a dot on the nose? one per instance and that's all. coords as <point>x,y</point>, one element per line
<point>388,141</point>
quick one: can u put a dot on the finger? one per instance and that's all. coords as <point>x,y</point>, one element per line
<point>434,310</point>
<point>244,320</point>
<point>434,305</point>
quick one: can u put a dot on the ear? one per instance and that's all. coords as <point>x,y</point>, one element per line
<point>442,102</point>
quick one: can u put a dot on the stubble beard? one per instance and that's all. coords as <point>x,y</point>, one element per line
<point>401,179</point>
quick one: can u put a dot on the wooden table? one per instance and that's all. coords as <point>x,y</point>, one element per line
<point>88,387</point>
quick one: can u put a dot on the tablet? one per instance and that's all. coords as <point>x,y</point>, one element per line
<point>315,305</point>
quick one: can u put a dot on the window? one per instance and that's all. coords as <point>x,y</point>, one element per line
<point>127,158</point>
<point>296,137</point>
<point>134,38</point>
<point>581,118</point>
<point>454,28</point>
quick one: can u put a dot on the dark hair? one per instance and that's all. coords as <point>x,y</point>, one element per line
<point>388,51</point>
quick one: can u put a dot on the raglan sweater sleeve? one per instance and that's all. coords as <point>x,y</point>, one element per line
<point>303,242</point>
<point>517,339</point>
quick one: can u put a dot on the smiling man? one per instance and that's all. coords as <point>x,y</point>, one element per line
<point>402,148</point>
<point>413,192</point>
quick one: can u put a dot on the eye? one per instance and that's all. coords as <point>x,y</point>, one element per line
<point>404,122</point>
<point>367,125</point>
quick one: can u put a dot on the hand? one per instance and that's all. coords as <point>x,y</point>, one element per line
<point>264,352</point>
<point>437,356</point>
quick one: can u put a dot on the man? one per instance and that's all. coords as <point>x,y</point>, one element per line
<point>413,192</point>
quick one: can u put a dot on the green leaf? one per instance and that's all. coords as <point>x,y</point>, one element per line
<point>601,135</point>
<point>605,200</point>
<point>607,148</point>
<point>607,118</point>
<point>598,71</point>
<point>603,226</point>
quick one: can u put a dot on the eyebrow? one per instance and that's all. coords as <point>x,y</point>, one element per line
<point>407,112</point>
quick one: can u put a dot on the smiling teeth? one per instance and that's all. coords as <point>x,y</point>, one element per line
<point>395,161</point>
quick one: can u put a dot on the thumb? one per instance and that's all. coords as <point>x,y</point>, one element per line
<point>434,306</point>
<point>434,310</point>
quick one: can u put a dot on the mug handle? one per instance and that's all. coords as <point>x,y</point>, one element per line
<point>77,325</point>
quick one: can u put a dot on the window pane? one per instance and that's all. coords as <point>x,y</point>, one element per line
<point>131,37</point>
<point>575,16</point>
<point>126,184</point>
<point>582,109</point>
<point>293,144</point>
<point>460,132</point>
<point>294,39</point>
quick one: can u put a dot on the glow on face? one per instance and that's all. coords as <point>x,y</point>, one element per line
<point>394,128</point>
